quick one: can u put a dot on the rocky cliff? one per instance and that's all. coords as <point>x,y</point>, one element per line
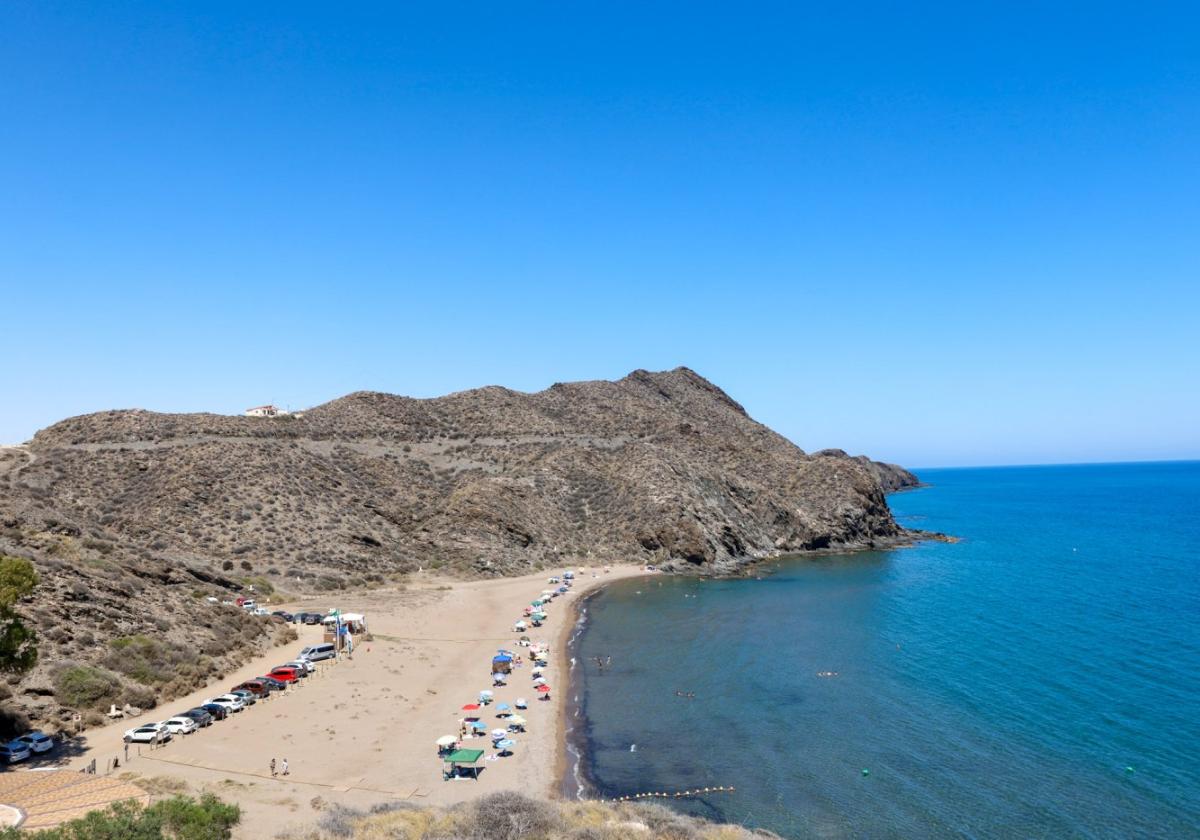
<point>132,517</point>
<point>892,477</point>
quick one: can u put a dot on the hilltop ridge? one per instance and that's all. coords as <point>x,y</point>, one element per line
<point>661,468</point>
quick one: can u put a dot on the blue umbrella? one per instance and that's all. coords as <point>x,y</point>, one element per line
<point>478,724</point>
<point>503,707</point>
<point>504,745</point>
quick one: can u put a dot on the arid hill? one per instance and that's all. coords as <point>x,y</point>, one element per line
<point>133,517</point>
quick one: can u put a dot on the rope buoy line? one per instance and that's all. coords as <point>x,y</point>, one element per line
<point>663,794</point>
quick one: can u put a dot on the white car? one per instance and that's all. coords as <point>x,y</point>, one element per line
<point>148,734</point>
<point>38,741</point>
<point>230,701</point>
<point>302,665</point>
<point>14,751</point>
<point>180,725</point>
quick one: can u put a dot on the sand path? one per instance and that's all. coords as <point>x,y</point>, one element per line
<point>362,731</point>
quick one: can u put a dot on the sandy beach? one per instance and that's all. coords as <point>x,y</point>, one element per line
<point>362,730</point>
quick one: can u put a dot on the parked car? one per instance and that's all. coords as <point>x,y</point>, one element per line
<point>313,618</point>
<point>181,725</point>
<point>14,751</point>
<point>303,666</point>
<point>199,714</point>
<point>248,697</point>
<point>284,673</point>
<point>257,687</point>
<point>37,741</point>
<point>229,701</point>
<point>147,734</point>
<point>315,653</point>
<point>215,711</point>
<point>276,685</point>
<point>283,615</point>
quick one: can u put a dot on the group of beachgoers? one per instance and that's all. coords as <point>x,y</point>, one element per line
<point>510,722</point>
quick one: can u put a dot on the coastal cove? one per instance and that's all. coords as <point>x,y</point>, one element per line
<point>1034,679</point>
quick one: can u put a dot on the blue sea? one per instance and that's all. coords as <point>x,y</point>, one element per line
<point>1040,678</point>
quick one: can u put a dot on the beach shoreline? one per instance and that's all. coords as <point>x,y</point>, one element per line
<point>564,783</point>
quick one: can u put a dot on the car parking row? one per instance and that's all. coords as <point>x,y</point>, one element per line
<point>237,699</point>
<point>24,746</point>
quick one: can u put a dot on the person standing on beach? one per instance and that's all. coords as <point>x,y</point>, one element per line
<point>272,768</point>
<point>285,767</point>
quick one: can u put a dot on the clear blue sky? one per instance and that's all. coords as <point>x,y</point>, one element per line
<point>964,235</point>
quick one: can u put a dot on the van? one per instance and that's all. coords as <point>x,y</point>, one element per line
<point>315,653</point>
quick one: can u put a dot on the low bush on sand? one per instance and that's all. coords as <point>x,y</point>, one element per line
<point>514,816</point>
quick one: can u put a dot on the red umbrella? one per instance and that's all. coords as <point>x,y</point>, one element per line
<point>543,687</point>
<point>471,707</point>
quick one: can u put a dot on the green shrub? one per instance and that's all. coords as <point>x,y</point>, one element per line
<point>85,687</point>
<point>180,818</point>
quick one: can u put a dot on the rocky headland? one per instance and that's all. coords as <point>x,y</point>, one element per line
<point>133,518</point>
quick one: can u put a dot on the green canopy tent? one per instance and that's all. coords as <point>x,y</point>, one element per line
<point>464,759</point>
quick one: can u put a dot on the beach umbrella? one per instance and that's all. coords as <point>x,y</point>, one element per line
<point>543,688</point>
<point>505,744</point>
<point>537,603</point>
<point>478,724</point>
<point>503,707</point>
<point>471,707</point>
<point>498,679</point>
<point>446,741</point>
<point>539,680</point>
<point>516,720</point>
<point>528,610</point>
<point>538,616</point>
<point>520,703</point>
<point>563,589</point>
<point>499,733</point>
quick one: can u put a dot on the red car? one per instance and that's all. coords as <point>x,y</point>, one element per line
<point>284,673</point>
<point>256,687</point>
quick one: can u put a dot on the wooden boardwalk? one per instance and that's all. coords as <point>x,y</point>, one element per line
<point>45,798</point>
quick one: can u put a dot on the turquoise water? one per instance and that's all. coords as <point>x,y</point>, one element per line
<point>1041,678</point>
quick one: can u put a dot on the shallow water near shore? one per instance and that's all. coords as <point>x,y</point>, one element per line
<point>1041,678</point>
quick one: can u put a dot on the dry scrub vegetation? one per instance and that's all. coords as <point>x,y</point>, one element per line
<point>514,816</point>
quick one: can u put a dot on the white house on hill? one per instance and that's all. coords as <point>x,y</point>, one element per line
<point>265,411</point>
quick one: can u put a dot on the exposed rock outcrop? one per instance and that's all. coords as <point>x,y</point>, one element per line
<point>150,512</point>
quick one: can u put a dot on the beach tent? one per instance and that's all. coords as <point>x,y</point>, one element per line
<point>459,762</point>
<point>502,663</point>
